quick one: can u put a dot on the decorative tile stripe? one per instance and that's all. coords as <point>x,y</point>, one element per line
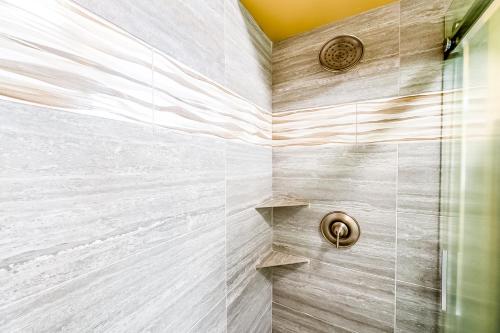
<point>396,119</point>
<point>316,126</point>
<point>56,54</point>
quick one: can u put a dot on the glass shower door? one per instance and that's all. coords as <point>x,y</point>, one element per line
<point>470,177</point>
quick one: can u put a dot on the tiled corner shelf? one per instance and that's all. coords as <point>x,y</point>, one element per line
<point>275,258</point>
<point>282,202</point>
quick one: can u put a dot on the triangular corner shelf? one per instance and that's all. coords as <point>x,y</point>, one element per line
<point>283,202</point>
<point>275,258</point>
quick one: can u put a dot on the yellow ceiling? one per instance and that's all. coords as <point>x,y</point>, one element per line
<point>281,19</point>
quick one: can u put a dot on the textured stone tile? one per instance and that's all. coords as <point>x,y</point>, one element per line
<point>57,55</point>
<point>299,81</point>
<point>345,193</point>
<point>286,320</point>
<point>249,237</point>
<point>401,119</point>
<point>165,288</point>
<point>356,301</point>
<point>265,323</point>
<point>190,31</point>
<point>422,34</point>
<point>248,176</point>
<point>186,101</point>
<point>418,249</point>
<point>342,162</point>
<point>337,176</point>
<point>247,53</point>
<point>315,126</point>
<point>249,302</point>
<point>348,176</point>
<point>419,177</point>
<point>296,231</point>
<point>214,321</point>
<point>417,309</point>
<point>80,193</point>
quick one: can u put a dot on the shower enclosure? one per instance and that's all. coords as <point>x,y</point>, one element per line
<point>471,168</point>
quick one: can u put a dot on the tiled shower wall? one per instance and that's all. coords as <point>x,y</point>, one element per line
<point>366,142</point>
<point>127,179</point>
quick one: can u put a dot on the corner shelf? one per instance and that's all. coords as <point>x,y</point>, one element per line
<point>275,258</point>
<point>282,202</point>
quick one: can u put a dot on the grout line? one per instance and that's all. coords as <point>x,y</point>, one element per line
<point>206,315</point>
<point>396,240</point>
<point>417,285</point>
<point>382,277</point>
<point>108,266</point>
<point>315,318</point>
<point>225,229</point>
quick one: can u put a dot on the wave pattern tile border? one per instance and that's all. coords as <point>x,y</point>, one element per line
<point>396,119</point>
<point>56,54</point>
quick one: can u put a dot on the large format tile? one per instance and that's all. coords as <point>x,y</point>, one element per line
<point>247,52</point>
<point>214,321</point>
<point>80,193</point>
<point>299,81</point>
<point>55,54</point>
<point>340,162</point>
<point>166,289</point>
<point>249,237</point>
<point>356,301</point>
<point>419,177</point>
<point>422,34</point>
<point>249,303</point>
<point>190,31</point>
<point>418,249</point>
<point>296,231</point>
<point>248,176</point>
<point>417,309</point>
<point>286,320</point>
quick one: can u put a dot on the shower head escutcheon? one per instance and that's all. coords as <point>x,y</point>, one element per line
<point>341,53</point>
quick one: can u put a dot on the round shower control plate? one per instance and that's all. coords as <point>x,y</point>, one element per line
<point>346,239</point>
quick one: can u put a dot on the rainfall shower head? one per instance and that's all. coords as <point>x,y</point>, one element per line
<point>341,53</point>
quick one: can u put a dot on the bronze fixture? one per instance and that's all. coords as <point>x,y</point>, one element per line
<point>341,53</point>
<point>340,229</point>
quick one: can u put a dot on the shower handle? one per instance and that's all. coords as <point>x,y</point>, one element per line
<point>339,229</point>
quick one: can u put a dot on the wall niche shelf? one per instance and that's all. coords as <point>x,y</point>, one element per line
<point>282,202</point>
<point>275,258</point>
